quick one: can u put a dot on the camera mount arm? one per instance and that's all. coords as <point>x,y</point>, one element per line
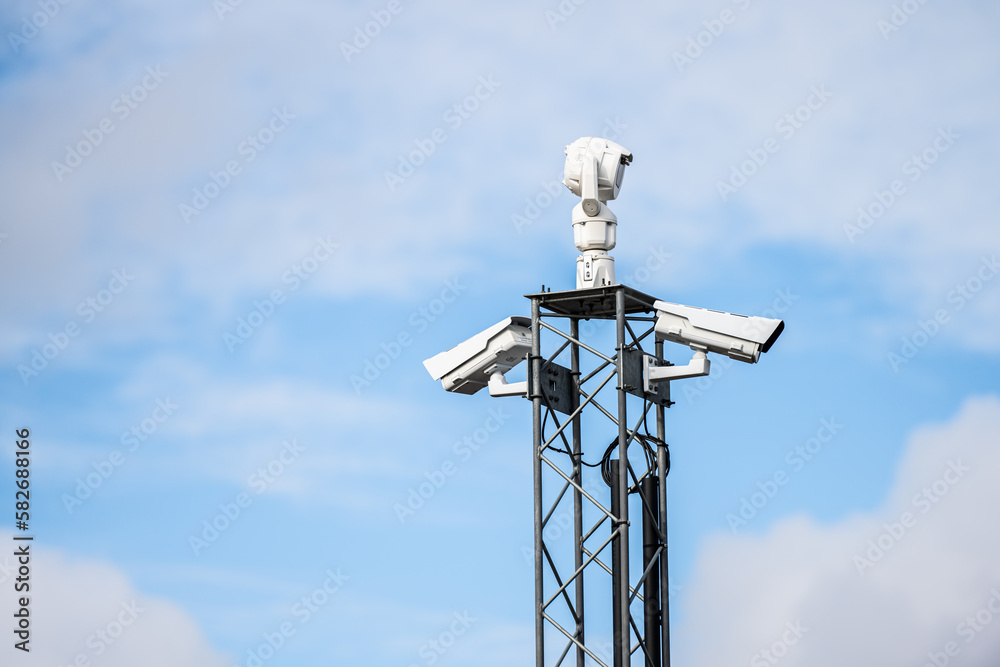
<point>499,386</point>
<point>652,372</point>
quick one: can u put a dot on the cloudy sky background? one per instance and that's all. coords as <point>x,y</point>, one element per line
<point>477,223</point>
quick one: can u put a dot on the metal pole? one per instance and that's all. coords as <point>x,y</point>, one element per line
<point>574,332</point>
<point>535,364</point>
<point>661,474</point>
<point>623,586</point>
<point>616,572</point>
<point>651,587</point>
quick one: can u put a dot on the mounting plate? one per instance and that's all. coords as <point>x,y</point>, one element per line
<point>557,387</point>
<point>636,385</point>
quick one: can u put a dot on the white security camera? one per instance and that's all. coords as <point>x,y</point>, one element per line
<point>594,171</point>
<point>483,360</point>
<point>737,336</point>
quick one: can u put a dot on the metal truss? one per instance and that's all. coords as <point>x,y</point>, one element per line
<point>587,603</point>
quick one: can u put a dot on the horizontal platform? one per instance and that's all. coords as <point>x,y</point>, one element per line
<point>594,302</point>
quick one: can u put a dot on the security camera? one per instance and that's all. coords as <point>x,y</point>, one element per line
<point>483,360</point>
<point>594,171</point>
<point>737,336</point>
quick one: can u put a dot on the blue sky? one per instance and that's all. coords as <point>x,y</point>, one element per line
<point>217,215</point>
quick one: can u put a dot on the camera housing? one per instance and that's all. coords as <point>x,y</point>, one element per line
<point>594,170</point>
<point>483,359</point>
<point>739,337</point>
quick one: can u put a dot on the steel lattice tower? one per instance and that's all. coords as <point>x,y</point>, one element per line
<point>571,588</point>
<point>572,609</point>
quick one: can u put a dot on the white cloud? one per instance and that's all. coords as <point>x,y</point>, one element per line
<point>89,608</point>
<point>325,174</point>
<point>881,607</point>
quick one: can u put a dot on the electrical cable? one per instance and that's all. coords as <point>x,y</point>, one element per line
<point>604,464</point>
